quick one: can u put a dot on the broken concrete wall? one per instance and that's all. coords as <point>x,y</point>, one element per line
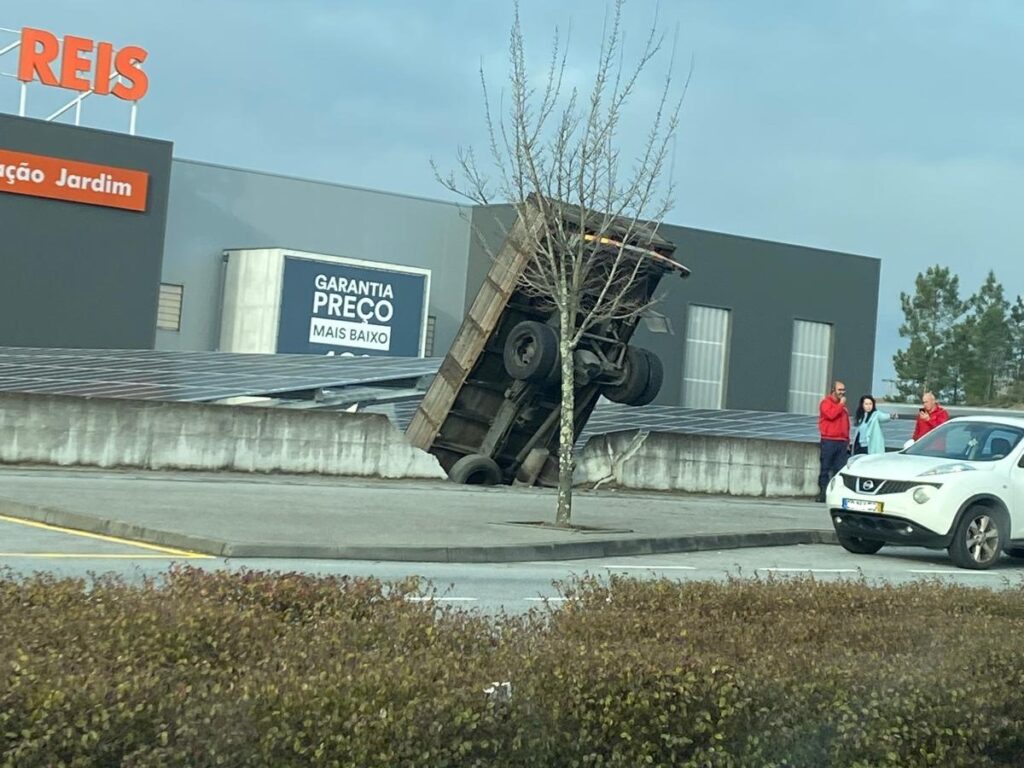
<point>101,432</point>
<point>671,461</point>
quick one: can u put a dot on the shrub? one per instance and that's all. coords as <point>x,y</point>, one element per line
<point>260,669</point>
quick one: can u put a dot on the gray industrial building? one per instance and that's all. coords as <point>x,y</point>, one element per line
<point>758,325</point>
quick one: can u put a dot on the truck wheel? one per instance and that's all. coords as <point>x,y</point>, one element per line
<point>655,377</point>
<point>644,374</point>
<point>475,469</point>
<point>531,352</point>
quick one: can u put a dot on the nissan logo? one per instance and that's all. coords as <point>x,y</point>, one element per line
<point>868,485</point>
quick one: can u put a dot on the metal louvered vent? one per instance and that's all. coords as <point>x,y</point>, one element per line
<point>428,345</point>
<point>168,313</point>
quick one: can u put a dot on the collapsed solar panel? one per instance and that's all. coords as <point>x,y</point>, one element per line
<point>193,376</point>
<point>765,425</point>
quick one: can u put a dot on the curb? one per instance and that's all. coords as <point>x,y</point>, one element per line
<point>512,553</point>
<point>104,527</point>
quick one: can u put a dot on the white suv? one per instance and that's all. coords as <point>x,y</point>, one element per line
<point>959,488</point>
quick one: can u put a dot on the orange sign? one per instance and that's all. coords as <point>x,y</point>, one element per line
<point>71,180</point>
<point>43,58</point>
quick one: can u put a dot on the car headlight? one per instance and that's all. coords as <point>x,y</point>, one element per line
<point>922,494</point>
<point>948,469</point>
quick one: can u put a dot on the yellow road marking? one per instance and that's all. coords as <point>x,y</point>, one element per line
<point>101,537</point>
<point>90,556</point>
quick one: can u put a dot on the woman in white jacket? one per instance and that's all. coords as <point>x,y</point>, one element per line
<point>866,431</point>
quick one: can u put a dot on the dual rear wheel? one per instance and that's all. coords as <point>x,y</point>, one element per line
<point>531,354</point>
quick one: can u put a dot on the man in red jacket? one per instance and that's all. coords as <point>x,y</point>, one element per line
<point>834,427</point>
<point>930,416</point>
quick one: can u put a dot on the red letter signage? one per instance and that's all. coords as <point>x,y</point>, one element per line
<point>81,64</point>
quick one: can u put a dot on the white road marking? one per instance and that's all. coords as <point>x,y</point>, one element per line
<point>965,572</point>
<point>427,599</point>
<point>650,567</point>
<point>808,570</point>
<point>543,599</point>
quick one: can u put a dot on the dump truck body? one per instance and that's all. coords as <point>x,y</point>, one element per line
<point>491,413</point>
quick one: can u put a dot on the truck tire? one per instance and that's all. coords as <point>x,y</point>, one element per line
<point>644,374</point>
<point>635,374</point>
<point>475,469</point>
<point>655,378</point>
<point>531,352</point>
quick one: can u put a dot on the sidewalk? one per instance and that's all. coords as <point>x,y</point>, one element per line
<point>240,515</point>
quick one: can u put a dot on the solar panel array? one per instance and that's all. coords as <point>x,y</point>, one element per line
<point>192,376</point>
<point>612,417</point>
<point>210,376</point>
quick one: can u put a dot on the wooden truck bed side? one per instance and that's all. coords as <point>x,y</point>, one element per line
<point>483,316</point>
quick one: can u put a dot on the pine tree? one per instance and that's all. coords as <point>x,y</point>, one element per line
<point>961,361</point>
<point>934,358</point>
<point>990,341</point>
<point>1016,367</point>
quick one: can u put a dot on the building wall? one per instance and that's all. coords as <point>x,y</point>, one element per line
<point>214,208</point>
<point>766,286</point>
<point>76,275</point>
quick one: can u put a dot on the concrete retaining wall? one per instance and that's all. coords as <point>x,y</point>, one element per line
<point>75,431</point>
<point>669,461</point>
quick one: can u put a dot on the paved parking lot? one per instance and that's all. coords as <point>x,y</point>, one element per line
<point>491,587</point>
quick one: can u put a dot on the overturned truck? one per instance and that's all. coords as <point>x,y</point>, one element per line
<point>491,415</point>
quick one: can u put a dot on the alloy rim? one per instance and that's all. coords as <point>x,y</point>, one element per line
<point>982,539</point>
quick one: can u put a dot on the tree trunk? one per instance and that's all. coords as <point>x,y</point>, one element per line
<point>563,514</point>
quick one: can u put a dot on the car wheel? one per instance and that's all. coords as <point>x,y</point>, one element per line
<point>978,539</point>
<point>859,546</point>
<point>475,469</point>
<point>531,352</point>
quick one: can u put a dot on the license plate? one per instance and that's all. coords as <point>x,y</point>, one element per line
<point>858,505</point>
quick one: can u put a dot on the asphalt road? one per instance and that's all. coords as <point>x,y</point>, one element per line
<point>27,548</point>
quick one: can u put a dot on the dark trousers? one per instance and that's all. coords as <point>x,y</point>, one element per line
<point>834,454</point>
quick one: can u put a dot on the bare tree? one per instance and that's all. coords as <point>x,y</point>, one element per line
<point>555,154</point>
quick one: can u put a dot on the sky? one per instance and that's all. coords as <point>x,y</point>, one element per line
<point>887,128</point>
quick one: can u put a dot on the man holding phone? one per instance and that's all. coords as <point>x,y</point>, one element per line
<point>929,416</point>
<point>834,428</point>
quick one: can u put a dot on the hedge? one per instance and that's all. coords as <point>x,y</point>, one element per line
<point>267,669</point>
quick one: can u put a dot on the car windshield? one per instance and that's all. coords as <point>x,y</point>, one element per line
<point>968,441</point>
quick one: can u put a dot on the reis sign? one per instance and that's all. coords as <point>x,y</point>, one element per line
<point>81,64</point>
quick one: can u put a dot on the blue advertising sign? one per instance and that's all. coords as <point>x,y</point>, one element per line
<point>335,307</point>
